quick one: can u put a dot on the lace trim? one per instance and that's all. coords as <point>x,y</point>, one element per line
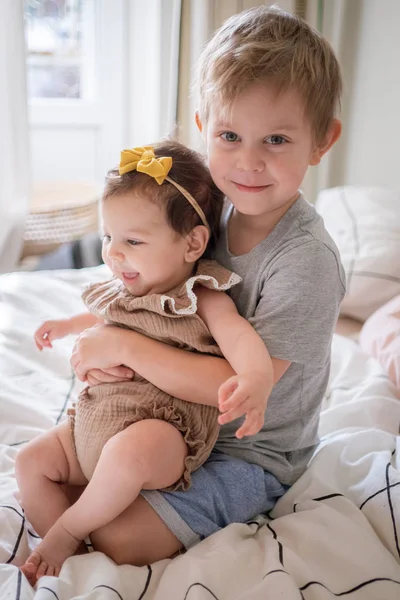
<point>192,308</point>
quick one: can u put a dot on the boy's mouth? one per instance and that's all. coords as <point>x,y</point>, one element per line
<point>250,188</point>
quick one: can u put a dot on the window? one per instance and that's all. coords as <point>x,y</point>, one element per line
<point>60,45</point>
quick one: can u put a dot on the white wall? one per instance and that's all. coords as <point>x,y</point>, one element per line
<point>369,150</point>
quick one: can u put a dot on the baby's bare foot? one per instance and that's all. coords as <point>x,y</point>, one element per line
<point>57,545</point>
<point>30,567</point>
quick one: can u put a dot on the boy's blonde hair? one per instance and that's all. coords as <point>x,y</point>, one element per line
<point>271,45</point>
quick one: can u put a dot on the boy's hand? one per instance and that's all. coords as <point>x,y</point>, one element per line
<point>111,375</point>
<point>50,331</point>
<point>98,348</point>
<point>245,394</point>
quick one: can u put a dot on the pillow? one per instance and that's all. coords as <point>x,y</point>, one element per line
<point>380,337</point>
<point>364,222</point>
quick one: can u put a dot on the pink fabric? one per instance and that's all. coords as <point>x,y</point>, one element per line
<point>380,337</point>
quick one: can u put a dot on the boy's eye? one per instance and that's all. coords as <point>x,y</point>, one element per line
<point>106,238</point>
<point>229,136</point>
<point>275,140</point>
<point>133,242</point>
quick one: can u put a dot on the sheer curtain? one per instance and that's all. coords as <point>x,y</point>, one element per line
<point>153,65</point>
<point>14,153</point>
<point>339,22</point>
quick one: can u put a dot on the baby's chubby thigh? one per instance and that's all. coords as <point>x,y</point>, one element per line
<point>151,452</point>
<point>52,455</point>
<point>101,412</point>
<point>105,411</point>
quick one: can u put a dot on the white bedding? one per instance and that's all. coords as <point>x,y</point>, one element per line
<point>336,533</point>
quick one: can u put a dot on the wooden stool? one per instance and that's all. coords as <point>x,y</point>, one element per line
<point>61,211</point>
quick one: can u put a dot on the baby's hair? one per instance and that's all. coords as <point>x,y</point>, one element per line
<point>271,45</point>
<point>188,170</point>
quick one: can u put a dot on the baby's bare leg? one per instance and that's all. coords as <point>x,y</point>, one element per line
<point>149,454</point>
<point>41,468</point>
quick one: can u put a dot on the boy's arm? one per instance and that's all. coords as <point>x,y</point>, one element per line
<point>186,375</point>
<point>247,392</point>
<point>175,371</point>
<point>239,343</point>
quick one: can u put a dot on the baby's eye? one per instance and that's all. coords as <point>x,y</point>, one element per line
<point>106,238</point>
<point>134,242</point>
<point>229,136</point>
<point>275,140</point>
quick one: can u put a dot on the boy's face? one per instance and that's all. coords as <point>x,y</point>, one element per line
<point>259,157</point>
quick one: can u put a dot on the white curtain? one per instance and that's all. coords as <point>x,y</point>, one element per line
<point>14,153</point>
<point>338,21</point>
<point>154,38</point>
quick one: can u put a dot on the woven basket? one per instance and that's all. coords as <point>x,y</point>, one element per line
<point>60,212</point>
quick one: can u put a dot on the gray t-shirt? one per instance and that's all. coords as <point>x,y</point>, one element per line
<point>293,284</point>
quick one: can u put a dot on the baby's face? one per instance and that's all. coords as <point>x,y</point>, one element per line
<point>139,246</point>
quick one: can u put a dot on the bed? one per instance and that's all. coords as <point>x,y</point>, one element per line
<point>336,533</point>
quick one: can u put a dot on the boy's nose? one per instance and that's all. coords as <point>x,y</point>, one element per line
<point>250,161</point>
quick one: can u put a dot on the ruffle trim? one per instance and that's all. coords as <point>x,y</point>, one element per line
<point>99,296</point>
<point>208,281</point>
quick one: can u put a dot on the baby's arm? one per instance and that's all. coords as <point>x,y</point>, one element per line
<point>57,329</point>
<point>246,392</point>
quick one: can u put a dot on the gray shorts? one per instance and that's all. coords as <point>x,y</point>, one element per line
<point>224,490</point>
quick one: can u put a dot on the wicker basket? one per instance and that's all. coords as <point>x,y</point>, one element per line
<point>61,211</point>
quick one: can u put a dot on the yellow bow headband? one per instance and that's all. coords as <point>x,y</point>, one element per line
<point>144,160</point>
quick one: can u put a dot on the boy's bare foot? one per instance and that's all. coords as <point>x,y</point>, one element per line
<point>57,545</point>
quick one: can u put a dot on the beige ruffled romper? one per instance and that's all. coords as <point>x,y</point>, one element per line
<point>106,409</point>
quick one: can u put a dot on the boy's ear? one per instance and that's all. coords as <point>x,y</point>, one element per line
<point>198,121</point>
<point>197,241</point>
<point>332,137</point>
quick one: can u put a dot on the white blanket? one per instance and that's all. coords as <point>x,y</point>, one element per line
<point>336,533</point>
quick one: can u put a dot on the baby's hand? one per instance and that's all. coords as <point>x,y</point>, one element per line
<point>245,394</point>
<point>50,331</point>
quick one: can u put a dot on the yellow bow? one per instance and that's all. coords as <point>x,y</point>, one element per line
<point>144,160</point>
